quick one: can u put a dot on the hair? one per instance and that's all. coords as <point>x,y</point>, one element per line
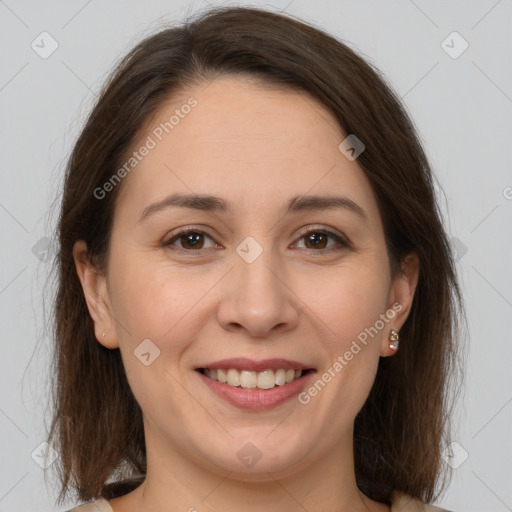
<point>399,433</point>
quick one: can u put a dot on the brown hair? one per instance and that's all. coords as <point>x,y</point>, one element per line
<point>400,431</point>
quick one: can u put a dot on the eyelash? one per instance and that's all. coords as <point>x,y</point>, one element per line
<point>342,243</point>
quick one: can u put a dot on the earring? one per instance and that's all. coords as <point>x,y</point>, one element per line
<point>104,333</point>
<point>394,339</point>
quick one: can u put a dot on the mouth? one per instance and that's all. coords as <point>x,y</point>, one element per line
<point>255,385</point>
<point>247,379</point>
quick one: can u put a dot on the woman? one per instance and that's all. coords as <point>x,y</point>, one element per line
<point>257,302</point>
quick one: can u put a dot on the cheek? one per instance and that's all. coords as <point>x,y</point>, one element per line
<point>151,299</point>
<point>348,300</point>
<point>357,303</point>
<point>350,308</point>
<point>154,307</point>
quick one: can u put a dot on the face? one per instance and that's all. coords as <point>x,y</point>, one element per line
<point>257,283</point>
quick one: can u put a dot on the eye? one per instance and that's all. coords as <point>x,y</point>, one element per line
<point>318,239</point>
<point>189,239</point>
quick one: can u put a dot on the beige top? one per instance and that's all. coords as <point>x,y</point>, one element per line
<point>402,503</point>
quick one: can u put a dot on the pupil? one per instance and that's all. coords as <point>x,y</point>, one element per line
<point>316,239</point>
<point>192,239</point>
<point>313,236</point>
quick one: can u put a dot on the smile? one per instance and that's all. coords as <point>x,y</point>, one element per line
<point>247,379</point>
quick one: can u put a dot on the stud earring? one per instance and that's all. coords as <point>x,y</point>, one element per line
<point>104,333</point>
<point>394,339</point>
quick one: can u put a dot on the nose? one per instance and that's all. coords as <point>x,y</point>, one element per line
<point>258,298</point>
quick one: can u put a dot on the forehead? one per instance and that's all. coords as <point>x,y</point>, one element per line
<point>244,140</point>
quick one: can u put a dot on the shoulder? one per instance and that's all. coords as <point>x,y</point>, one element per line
<point>99,505</point>
<point>404,503</point>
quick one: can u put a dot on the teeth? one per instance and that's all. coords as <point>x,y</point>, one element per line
<point>280,377</point>
<point>233,377</point>
<point>266,379</point>
<point>248,379</point>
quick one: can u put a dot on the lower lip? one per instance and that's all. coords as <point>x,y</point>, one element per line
<point>255,399</point>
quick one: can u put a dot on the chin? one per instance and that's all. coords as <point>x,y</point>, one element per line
<point>252,458</point>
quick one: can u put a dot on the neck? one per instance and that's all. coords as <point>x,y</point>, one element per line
<point>175,482</point>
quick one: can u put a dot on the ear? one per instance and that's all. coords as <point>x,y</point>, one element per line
<point>401,296</point>
<point>94,285</point>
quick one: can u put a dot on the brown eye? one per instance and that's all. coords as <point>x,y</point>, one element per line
<point>191,240</point>
<point>319,239</point>
<point>316,239</point>
<point>188,240</point>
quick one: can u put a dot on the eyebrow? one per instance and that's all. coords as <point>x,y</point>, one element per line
<point>208,203</point>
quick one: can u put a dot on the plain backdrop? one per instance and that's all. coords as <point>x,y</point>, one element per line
<point>459,97</point>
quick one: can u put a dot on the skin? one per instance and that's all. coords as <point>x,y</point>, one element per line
<point>255,146</point>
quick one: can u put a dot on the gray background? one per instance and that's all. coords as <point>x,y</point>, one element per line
<point>461,106</point>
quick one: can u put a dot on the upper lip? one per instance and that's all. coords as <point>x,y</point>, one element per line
<point>242,363</point>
